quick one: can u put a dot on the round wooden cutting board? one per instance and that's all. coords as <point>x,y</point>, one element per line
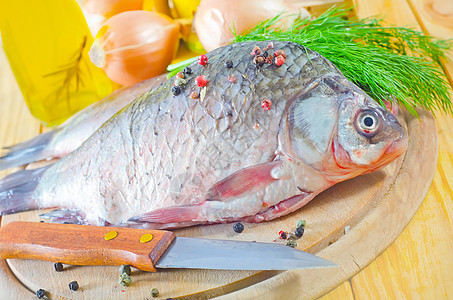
<point>349,224</point>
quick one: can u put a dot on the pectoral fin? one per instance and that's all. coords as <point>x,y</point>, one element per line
<point>245,181</point>
<point>242,182</point>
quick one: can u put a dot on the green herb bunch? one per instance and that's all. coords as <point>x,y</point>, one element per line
<point>387,62</point>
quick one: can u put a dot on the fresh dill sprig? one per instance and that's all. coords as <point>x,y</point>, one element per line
<point>387,62</point>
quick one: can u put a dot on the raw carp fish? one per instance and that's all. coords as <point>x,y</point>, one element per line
<point>171,160</point>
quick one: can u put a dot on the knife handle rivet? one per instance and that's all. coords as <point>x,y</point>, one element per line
<point>110,235</point>
<point>146,237</point>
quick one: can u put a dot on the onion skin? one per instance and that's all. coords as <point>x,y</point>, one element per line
<point>215,18</point>
<point>109,8</point>
<point>135,45</point>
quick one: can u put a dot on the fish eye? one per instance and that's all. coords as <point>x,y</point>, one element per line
<point>367,123</point>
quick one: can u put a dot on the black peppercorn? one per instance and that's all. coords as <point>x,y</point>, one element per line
<point>58,267</point>
<point>259,60</point>
<point>291,243</point>
<point>187,70</point>
<point>155,293</point>
<point>238,227</point>
<point>73,286</point>
<point>40,293</point>
<point>176,90</point>
<point>228,64</point>
<point>125,269</point>
<point>299,232</point>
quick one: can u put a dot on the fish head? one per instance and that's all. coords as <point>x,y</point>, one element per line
<point>369,136</point>
<point>339,130</point>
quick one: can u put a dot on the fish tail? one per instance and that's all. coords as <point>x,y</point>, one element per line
<point>16,191</point>
<point>26,152</point>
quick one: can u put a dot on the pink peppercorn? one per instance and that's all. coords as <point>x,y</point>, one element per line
<point>266,104</point>
<point>279,60</point>
<point>280,52</point>
<point>201,81</point>
<point>202,59</point>
<point>231,78</point>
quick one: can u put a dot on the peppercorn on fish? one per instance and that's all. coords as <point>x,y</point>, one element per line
<point>173,161</point>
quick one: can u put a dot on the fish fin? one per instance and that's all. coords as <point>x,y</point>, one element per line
<point>64,216</point>
<point>247,180</point>
<point>16,191</point>
<point>282,208</point>
<point>174,214</point>
<point>26,152</point>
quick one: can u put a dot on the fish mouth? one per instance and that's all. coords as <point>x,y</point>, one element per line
<point>395,149</point>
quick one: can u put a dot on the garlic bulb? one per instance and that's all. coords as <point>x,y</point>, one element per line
<point>214,19</point>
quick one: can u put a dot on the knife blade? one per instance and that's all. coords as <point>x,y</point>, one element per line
<point>144,249</point>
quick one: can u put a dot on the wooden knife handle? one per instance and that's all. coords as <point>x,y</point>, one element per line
<point>83,244</point>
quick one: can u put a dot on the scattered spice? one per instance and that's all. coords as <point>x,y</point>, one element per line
<point>256,51</point>
<point>299,232</point>
<point>259,60</point>
<point>202,60</point>
<point>301,223</point>
<point>180,75</point>
<point>256,126</point>
<point>176,90</point>
<point>73,285</point>
<point>125,279</point>
<point>280,53</point>
<point>154,292</point>
<point>58,267</point>
<point>193,95</point>
<point>125,269</point>
<point>279,60</point>
<point>291,243</point>
<point>201,81</point>
<point>40,293</point>
<point>269,59</point>
<point>231,78</point>
<point>179,82</point>
<point>187,70</point>
<point>202,94</point>
<point>228,64</point>
<point>238,227</point>
<point>266,104</point>
<point>282,234</point>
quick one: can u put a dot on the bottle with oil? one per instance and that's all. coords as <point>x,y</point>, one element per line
<point>47,45</point>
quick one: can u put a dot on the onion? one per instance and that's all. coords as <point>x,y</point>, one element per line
<point>135,45</point>
<point>97,11</point>
<point>109,8</point>
<point>214,18</point>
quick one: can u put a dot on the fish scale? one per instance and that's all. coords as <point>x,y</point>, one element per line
<point>205,124</point>
<point>176,161</point>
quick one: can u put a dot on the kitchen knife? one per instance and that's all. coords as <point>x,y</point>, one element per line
<point>144,249</point>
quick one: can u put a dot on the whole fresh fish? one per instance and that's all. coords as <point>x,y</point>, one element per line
<point>174,160</point>
<point>71,134</point>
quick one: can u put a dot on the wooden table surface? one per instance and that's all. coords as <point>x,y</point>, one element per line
<point>419,264</point>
